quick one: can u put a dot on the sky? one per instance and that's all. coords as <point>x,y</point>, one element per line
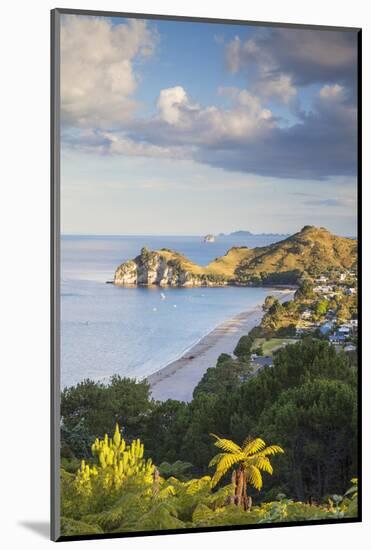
<point>184,128</point>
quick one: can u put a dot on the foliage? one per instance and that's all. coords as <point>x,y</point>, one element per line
<point>252,458</point>
<point>305,291</point>
<point>226,376</point>
<point>269,301</point>
<point>92,408</point>
<point>322,307</point>
<point>316,422</point>
<point>243,348</point>
<point>98,500</point>
<point>233,405</point>
<point>163,430</point>
<point>115,463</point>
<point>178,469</point>
<point>76,437</point>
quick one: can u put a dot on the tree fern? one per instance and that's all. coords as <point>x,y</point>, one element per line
<point>251,459</point>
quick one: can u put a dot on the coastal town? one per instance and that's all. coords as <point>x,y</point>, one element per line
<point>324,307</point>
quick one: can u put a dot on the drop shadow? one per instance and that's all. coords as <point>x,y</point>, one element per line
<point>41,528</point>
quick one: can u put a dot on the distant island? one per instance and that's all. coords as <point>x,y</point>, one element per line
<point>209,238</point>
<point>249,234</point>
<point>310,252</point>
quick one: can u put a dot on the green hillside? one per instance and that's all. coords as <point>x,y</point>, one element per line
<point>312,250</point>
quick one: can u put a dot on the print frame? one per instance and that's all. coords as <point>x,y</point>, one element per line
<point>56,265</point>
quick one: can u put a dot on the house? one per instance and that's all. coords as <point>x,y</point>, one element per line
<point>322,289</point>
<point>350,347</point>
<point>300,330</point>
<point>326,328</point>
<point>262,361</point>
<point>350,291</point>
<point>343,276</point>
<point>336,338</point>
<point>344,329</point>
<point>321,279</point>
<point>354,323</point>
<point>307,314</point>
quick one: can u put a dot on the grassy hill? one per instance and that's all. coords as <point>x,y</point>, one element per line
<point>313,250</point>
<point>182,261</point>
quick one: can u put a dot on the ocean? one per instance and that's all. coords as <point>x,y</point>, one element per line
<point>134,332</point>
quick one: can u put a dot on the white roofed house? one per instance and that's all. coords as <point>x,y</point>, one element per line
<point>353,324</point>
<point>306,315</point>
<point>350,347</point>
<point>322,289</point>
<point>350,291</point>
<point>344,329</point>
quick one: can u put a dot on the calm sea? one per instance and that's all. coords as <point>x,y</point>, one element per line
<point>133,332</point>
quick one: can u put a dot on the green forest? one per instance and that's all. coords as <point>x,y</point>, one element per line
<point>274,447</point>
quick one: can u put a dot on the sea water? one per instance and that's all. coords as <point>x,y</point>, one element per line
<point>107,330</point>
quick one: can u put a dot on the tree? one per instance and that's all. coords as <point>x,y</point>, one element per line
<point>226,376</point>
<point>305,291</point>
<point>251,458</point>
<point>98,405</point>
<point>163,430</point>
<point>243,348</point>
<point>322,307</point>
<point>317,424</point>
<point>269,301</point>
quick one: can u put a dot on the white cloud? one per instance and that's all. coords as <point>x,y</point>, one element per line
<point>172,103</point>
<point>261,68</point>
<point>98,105</point>
<point>184,120</point>
<point>239,53</point>
<point>332,92</point>
<point>104,143</point>
<point>279,87</point>
<point>120,145</point>
<point>97,75</point>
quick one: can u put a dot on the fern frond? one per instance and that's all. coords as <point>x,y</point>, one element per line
<point>271,450</point>
<point>166,492</point>
<point>253,446</point>
<point>215,459</point>
<point>263,463</point>
<point>225,463</point>
<point>201,513</point>
<point>255,477</point>
<point>226,445</point>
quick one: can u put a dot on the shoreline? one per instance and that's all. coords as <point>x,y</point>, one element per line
<point>178,378</point>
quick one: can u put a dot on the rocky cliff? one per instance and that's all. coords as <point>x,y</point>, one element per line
<point>163,268</point>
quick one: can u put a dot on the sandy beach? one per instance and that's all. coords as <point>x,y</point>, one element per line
<point>178,379</point>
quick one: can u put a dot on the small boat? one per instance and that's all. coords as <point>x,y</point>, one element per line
<point>163,296</point>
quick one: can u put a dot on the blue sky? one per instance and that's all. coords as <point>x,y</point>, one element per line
<point>188,128</point>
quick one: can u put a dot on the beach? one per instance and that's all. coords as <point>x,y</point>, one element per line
<point>179,378</point>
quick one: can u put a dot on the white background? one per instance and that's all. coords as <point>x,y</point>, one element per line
<point>24,254</point>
